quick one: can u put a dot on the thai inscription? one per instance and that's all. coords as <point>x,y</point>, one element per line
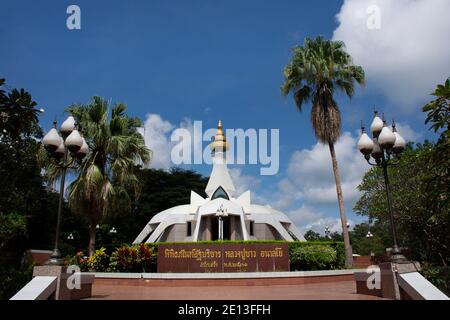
<point>223,257</point>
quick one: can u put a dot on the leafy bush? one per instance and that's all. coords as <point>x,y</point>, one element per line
<point>340,255</point>
<point>11,225</point>
<point>313,257</point>
<point>13,279</point>
<point>316,255</point>
<point>80,260</point>
<point>136,258</point>
<point>438,276</point>
<point>99,261</point>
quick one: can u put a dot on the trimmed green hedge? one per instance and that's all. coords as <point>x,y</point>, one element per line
<point>316,255</point>
<point>303,255</point>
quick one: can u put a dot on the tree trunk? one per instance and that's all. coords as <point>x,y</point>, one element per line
<point>347,247</point>
<point>92,234</point>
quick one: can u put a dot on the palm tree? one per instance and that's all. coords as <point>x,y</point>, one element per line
<point>107,179</point>
<point>316,70</point>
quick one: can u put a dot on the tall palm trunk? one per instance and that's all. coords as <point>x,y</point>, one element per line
<point>92,234</point>
<point>347,247</point>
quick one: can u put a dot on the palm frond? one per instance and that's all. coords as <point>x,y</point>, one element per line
<point>315,71</point>
<point>106,176</point>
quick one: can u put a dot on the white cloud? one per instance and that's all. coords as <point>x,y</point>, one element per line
<point>410,52</point>
<point>310,170</point>
<point>408,133</point>
<point>334,224</point>
<point>307,218</point>
<point>243,182</point>
<point>286,195</point>
<point>309,184</point>
<point>327,194</point>
<point>304,216</point>
<point>196,142</point>
<point>156,135</point>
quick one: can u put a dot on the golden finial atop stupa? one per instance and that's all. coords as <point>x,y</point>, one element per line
<point>220,142</point>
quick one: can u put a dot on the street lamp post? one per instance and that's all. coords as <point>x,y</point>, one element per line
<point>327,232</point>
<point>221,212</point>
<point>384,147</point>
<point>58,145</point>
<point>369,235</point>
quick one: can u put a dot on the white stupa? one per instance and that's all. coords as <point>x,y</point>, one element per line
<point>220,216</point>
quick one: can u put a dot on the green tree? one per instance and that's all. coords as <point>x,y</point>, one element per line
<point>107,177</point>
<point>11,225</point>
<point>312,236</point>
<point>437,178</point>
<point>18,114</point>
<point>316,70</point>
<point>24,202</point>
<point>438,111</point>
<point>336,236</point>
<point>420,227</point>
<point>19,132</point>
<point>376,244</point>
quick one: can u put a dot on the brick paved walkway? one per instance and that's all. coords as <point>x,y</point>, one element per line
<point>142,290</point>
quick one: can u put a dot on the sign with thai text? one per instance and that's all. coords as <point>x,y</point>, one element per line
<point>223,257</point>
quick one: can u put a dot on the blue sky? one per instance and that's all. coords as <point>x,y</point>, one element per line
<point>210,60</point>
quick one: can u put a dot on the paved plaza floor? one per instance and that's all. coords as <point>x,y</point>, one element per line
<point>343,290</point>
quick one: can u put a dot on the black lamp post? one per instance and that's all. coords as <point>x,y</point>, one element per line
<point>327,232</point>
<point>58,146</point>
<point>221,213</point>
<point>385,146</point>
<point>369,235</point>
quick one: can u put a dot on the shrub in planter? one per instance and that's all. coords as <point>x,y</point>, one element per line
<point>137,258</point>
<point>145,257</point>
<point>338,263</point>
<point>99,261</point>
<point>313,257</point>
<point>80,260</point>
<point>340,255</point>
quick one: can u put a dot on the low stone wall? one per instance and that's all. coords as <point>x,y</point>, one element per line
<point>37,257</point>
<point>224,279</point>
<point>363,261</point>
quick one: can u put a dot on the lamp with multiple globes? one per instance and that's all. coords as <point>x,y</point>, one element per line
<point>58,146</point>
<point>384,147</point>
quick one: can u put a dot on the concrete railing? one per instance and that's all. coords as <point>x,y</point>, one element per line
<point>39,288</point>
<point>419,288</point>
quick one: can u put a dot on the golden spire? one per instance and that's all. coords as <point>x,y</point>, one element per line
<point>220,142</point>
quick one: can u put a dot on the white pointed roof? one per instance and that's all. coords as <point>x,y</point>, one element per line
<point>220,177</point>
